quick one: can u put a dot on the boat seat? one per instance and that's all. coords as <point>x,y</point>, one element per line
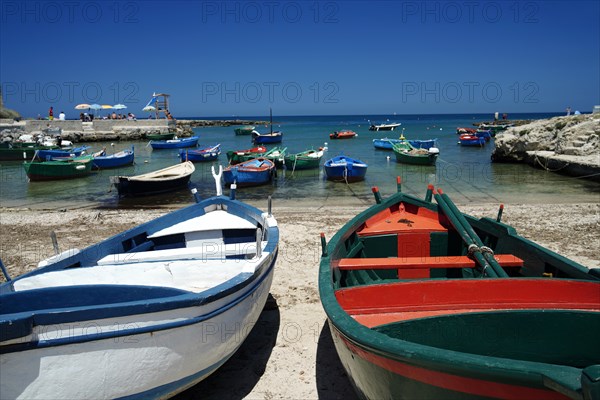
<point>205,252</point>
<point>419,267</point>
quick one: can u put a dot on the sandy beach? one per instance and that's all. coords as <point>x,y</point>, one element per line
<point>289,354</point>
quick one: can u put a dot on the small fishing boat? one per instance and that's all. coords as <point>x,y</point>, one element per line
<point>277,155</point>
<point>407,154</point>
<point>244,130</point>
<point>267,138</point>
<point>160,136</point>
<point>160,181</point>
<point>50,154</point>
<point>15,151</point>
<point>144,314</point>
<point>495,128</point>
<point>345,169</point>
<point>484,133</point>
<point>425,302</point>
<point>116,160</point>
<point>238,156</point>
<point>255,172</point>
<point>174,143</point>
<point>471,140</point>
<point>462,131</point>
<point>309,159</point>
<point>388,144</point>
<point>384,127</point>
<point>61,168</point>
<point>342,134</point>
<point>210,153</point>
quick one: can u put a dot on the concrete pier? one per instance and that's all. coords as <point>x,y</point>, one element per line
<point>107,129</point>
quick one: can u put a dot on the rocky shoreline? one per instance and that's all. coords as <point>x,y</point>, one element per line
<point>108,130</point>
<point>568,145</point>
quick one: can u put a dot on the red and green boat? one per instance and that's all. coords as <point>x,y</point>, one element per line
<point>425,302</point>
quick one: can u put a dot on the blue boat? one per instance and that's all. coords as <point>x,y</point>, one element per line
<point>174,143</point>
<point>267,138</point>
<point>47,155</point>
<point>471,140</point>
<point>484,133</point>
<point>116,160</point>
<point>146,313</point>
<point>387,144</point>
<point>210,153</point>
<point>257,171</point>
<point>345,169</point>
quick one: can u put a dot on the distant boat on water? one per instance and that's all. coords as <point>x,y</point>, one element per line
<point>384,127</point>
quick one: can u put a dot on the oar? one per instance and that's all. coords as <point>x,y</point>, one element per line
<point>488,255</point>
<point>455,222</point>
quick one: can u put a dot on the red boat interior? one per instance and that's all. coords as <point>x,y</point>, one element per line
<point>385,277</point>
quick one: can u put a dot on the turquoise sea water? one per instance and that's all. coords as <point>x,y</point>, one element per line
<point>465,173</point>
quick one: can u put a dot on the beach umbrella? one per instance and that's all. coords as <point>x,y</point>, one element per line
<point>96,107</point>
<point>149,108</point>
<point>82,106</point>
<point>119,106</point>
<point>106,106</point>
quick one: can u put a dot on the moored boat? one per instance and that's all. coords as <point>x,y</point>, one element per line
<point>345,169</point>
<point>64,168</point>
<point>384,127</point>
<point>407,154</point>
<point>144,314</point>
<point>462,130</point>
<point>347,134</point>
<point>309,159</point>
<point>388,144</point>
<point>484,133</point>
<point>238,156</point>
<point>426,302</point>
<point>209,153</point>
<point>119,159</point>
<point>471,140</point>
<point>160,181</point>
<point>267,138</point>
<point>244,130</point>
<point>255,172</point>
<point>174,143</point>
<point>17,151</point>
<point>49,154</point>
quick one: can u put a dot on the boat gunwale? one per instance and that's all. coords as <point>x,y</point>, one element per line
<point>459,363</point>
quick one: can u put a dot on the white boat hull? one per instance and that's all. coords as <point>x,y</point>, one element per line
<point>155,364</point>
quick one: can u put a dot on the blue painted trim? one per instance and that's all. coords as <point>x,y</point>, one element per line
<point>86,314</point>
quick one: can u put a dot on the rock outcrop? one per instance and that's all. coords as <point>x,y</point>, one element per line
<point>569,144</point>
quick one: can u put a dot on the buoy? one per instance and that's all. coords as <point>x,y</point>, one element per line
<point>387,158</point>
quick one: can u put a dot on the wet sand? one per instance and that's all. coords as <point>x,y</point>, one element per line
<point>289,354</point>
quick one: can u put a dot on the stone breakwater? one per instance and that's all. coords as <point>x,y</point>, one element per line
<point>107,130</point>
<point>569,145</point>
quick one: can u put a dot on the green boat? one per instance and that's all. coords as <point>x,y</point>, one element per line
<point>238,156</point>
<point>277,155</point>
<point>425,302</point>
<point>68,168</point>
<point>244,130</point>
<point>408,154</point>
<point>20,151</point>
<point>309,159</point>
<point>160,136</point>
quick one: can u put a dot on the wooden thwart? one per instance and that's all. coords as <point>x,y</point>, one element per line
<point>505,260</point>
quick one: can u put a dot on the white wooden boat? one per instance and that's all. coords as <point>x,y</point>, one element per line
<point>144,314</point>
<point>160,181</point>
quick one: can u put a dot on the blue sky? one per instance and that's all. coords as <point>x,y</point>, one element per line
<point>239,58</point>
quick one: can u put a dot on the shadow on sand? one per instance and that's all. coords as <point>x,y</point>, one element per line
<point>332,381</point>
<point>238,376</point>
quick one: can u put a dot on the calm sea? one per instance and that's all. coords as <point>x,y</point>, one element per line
<point>465,173</point>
